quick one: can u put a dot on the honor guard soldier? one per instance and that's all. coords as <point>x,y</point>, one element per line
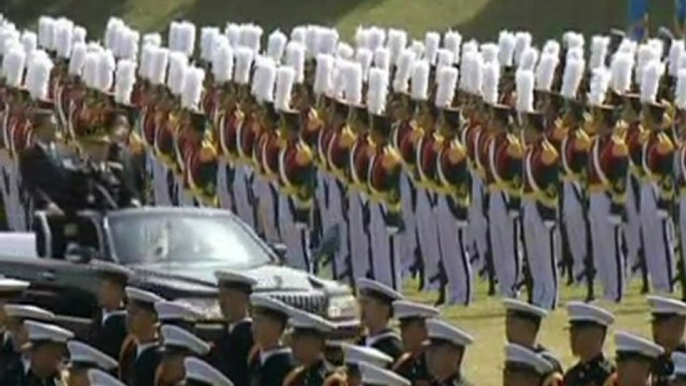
<point>588,330</point>
<point>10,290</point>
<point>140,354</point>
<point>524,367</point>
<point>413,330</point>
<point>47,343</point>
<point>230,352</point>
<point>635,358</point>
<point>200,373</point>
<point>376,307</point>
<point>82,359</point>
<point>308,341</point>
<point>679,136</point>
<point>679,374</point>
<point>668,323</point>
<point>446,352</point>
<point>16,357</point>
<point>177,345</point>
<point>174,313</point>
<point>349,374</point>
<point>378,376</point>
<point>269,361</point>
<point>522,324</point>
<point>97,377</point>
<point>108,327</point>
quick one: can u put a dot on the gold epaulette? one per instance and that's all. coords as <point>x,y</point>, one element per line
<point>619,147</point>
<point>582,141</point>
<point>664,144</point>
<point>457,152</point>
<point>313,120</point>
<point>208,152</point>
<point>559,131</point>
<point>303,155</point>
<point>347,137</point>
<point>391,158</point>
<point>514,147</point>
<point>136,143</point>
<point>643,135</point>
<point>403,358</point>
<point>549,154</point>
<point>293,376</point>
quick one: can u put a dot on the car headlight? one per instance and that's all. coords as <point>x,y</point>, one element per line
<point>342,307</point>
<point>208,307</point>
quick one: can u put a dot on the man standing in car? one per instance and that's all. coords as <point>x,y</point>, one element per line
<point>108,327</point>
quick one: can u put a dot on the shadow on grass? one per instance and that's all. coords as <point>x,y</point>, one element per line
<point>92,14</point>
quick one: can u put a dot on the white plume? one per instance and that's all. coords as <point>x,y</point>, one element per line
<point>527,60</point>
<point>420,80</point>
<point>265,80</point>
<point>191,92</point>
<point>600,80</point>
<point>46,32</point>
<point>676,53</point>
<point>106,67</point>
<point>432,42</point>
<point>571,79</point>
<point>323,74</point>
<point>233,32</point>
<point>38,78</point>
<point>353,89</point>
<point>522,42</point>
<point>312,41</point>
<point>489,52</point>
<point>78,58</point>
<point>445,58</point>
<point>364,57</point>
<point>64,31</point>
<point>525,91</point>
<point>382,58</point>
<point>447,82</point>
<point>621,69</point>
<point>222,63</point>
<point>154,39</point>
<point>13,65</point>
<point>125,79</point>
<point>344,51</point>
<point>29,41</point>
<point>599,50</point>
<point>327,41</point>
<point>244,59</point>
<point>295,58</point>
<point>418,48</point>
<point>79,35</point>
<point>378,91</point>
<point>160,62</point>
<point>545,71</point>
<point>452,41</point>
<point>376,37</point>
<point>650,84</point>
<point>207,36</point>
<point>404,71</point>
<point>506,48</point>
<point>397,41</point>
<point>490,79</point>
<point>250,36</point>
<point>680,92</point>
<point>285,77</point>
<point>552,47</point>
<point>276,45</point>
<point>178,62</point>
<point>90,70</point>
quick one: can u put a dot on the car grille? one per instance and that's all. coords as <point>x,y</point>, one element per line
<point>312,303</point>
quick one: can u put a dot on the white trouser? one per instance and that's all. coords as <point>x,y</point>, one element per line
<point>658,243</point>
<point>504,244</point>
<point>384,245</point>
<point>408,238</point>
<point>267,197</point>
<point>455,257</point>
<point>539,241</point>
<point>477,230</point>
<point>606,243</point>
<point>427,227</point>
<point>242,191</point>
<point>632,227</point>
<point>160,185</point>
<point>223,187</point>
<point>295,236</point>
<point>575,226</point>
<point>359,238</point>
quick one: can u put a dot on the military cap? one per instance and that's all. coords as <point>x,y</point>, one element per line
<point>141,296</point>
<point>404,309</point>
<point>378,290</point>
<point>199,371</point>
<point>290,120</point>
<point>377,376</point>
<point>605,113</point>
<point>633,100</point>
<point>453,118</point>
<point>656,111</point>
<point>12,285</point>
<point>679,359</point>
<point>83,355</point>
<point>576,109</point>
<point>517,356</point>
<point>666,306</point>
<point>584,312</point>
<point>43,332</point>
<point>381,124</point>
<point>97,377</point>
<point>626,343</point>
<point>524,309</point>
<point>168,311</point>
<point>271,306</point>
<point>198,121</point>
<point>235,279</point>
<point>536,120</point>
<point>502,113</point>
<point>301,320</point>
<point>176,338</point>
<point>29,312</point>
<point>354,355</point>
<point>270,112</point>
<point>442,331</point>
<point>113,272</point>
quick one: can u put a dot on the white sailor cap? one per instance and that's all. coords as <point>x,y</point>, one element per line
<point>199,371</point>
<point>377,289</point>
<point>302,320</point>
<point>141,296</point>
<point>177,337</point>
<point>442,330</point>
<point>629,343</point>
<point>86,355</point>
<point>584,312</point>
<point>354,355</point>
<point>97,377</point>
<point>12,285</point>
<point>269,303</point>
<point>169,311</point>
<point>227,278</point>
<point>405,309</point>
<point>373,375</point>
<point>665,306</point>
<point>679,360</point>
<point>43,332</point>
<point>519,355</point>
<point>523,308</point>
<point>28,312</point>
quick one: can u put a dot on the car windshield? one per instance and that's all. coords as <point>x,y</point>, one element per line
<point>150,238</point>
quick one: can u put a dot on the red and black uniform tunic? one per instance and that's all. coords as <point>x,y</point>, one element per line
<point>312,128</point>
<point>542,177</point>
<point>164,140</point>
<point>360,158</point>
<point>297,177</point>
<point>229,122</point>
<point>267,155</point>
<point>405,140</point>
<point>635,138</point>
<point>384,183</point>
<point>201,172</point>
<point>427,157</point>
<point>453,174</point>
<point>149,125</point>
<point>658,163</point>
<point>608,167</point>
<point>247,137</point>
<point>504,168</point>
<point>574,155</point>
<point>338,154</point>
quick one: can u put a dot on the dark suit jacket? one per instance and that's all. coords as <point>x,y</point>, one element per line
<point>140,371</point>
<point>273,371</point>
<point>108,337</point>
<point>230,353</point>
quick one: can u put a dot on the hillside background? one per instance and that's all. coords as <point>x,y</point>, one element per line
<point>481,19</point>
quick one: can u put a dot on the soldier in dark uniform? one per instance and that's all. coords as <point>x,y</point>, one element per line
<point>140,354</point>
<point>635,357</point>
<point>308,341</point>
<point>668,323</point>
<point>47,347</point>
<point>230,353</point>
<point>525,367</point>
<point>412,364</point>
<point>10,290</point>
<point>173,313</point>
<point>200,373</point>
<point>588,329</point>
<point>269,361</point>
<point>178,344</point>
<point>446,352</point>
<point>108,327</point>
<point>349,373</point>
<point>82,359</point>
<point>522,323</point>
<point>379,376</point>
<point>376,307</point>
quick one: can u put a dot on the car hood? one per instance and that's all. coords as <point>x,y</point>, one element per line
<point>199,277</point>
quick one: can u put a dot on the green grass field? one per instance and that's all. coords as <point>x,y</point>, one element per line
<point>485,319</point>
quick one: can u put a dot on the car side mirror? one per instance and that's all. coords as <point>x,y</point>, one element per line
<point>280,250</point>
<point>80,254</point>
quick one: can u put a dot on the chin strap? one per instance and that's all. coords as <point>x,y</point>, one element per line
<point>554,379</point>
<point>611,380</point>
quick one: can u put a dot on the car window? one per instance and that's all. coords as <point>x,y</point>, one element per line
<point>150,238</point>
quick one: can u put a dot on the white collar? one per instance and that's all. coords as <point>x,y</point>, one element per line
<point>141,347</point>
<point>26,363</point>
<point>265,355</point>
<point>371,340</point>
<point>106,314</point>
<point>233,325</point>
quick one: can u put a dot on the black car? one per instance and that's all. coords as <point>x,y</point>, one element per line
<point>173,252</point>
